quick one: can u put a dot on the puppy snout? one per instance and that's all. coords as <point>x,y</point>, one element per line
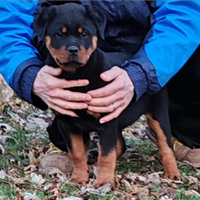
<point>73,50</point>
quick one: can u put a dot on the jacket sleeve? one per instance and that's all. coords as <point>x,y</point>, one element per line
<point>19,63</point>
<point>173,38</point>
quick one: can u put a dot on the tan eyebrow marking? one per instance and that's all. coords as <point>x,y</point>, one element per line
<point>64,29</point>
<point>80,29</point>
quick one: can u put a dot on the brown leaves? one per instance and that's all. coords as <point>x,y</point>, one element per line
<point>140,178</point>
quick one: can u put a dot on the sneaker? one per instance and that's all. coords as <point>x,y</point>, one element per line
<point>55,158</point>
<point>184,153</point>
<point>181,152</point>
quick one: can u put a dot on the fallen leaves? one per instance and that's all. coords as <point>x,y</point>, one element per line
<point>37,179</point>
<point>22,152</point>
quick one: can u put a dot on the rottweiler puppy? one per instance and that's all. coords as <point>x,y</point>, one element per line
<point>70,33</point>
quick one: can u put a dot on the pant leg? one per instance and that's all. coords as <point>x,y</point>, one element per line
<point>184,94</point>
<point>55,136</point>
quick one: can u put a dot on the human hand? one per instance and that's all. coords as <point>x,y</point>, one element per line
<point>52,91</point>
<point>114,97</point>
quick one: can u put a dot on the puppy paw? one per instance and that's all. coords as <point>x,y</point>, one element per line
<point>173,175</point>
<point>80,177</point>
<point>102,181</point>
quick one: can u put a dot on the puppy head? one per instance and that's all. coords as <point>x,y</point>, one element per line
<point>70,32</point>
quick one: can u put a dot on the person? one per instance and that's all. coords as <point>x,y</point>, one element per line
<point>164,37</point>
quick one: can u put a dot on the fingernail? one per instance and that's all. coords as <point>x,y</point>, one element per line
<point>101,121</point>
<point>104,75</point>
<point>90,108</point>
<point>85,82</point>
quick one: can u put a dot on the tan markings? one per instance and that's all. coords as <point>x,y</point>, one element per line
<point>79,158</point>
<point>68,68</point>
<point>84,54</point>
<point>94,42</point>
<point>94,114</point>
<point>80,29</point>
<point>59,55</point>
<point>107,165</point>
<point>64,30</point>
<point>168,158</point>
<point>48,40</point>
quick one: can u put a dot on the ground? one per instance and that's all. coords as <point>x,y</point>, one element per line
<point>139,174</point>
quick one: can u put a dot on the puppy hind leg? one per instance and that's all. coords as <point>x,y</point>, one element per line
<point>158,121</point>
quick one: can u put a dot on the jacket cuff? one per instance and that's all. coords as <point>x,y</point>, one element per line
<point>138,78</point>
<point>23,80</point>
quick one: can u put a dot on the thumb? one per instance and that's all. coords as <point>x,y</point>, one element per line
<point>52,70</point>
<point>110,74</point>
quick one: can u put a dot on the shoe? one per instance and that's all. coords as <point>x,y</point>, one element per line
<point>181,152</point>
<point>55,158</point>
<point>184,153</point>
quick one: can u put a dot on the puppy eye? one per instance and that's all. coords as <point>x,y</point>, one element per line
<point>59,34</point>
<point>84,34</point>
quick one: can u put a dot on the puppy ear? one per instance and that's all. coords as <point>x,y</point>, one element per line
<point>41,20</point>
<point>99,18</point>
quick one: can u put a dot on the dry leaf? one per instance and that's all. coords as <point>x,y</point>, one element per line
<point>37,179</point>
<point>192,193</point>
<point>192,180</point>
<point>71,198</point>
<point>144,192</point>
<point>165,198</point>
<point>105,189</point>
<point>3,138</point>
<point>127,184</point>
<point>29,169</point>
<point>32,159</point>
<point>2,174</point>
<point>2,150</point>
<point>29,196</point>
<point>154,178</point>
<point>142,179</point>
<point>19,181</point>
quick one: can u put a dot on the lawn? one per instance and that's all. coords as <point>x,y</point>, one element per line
<point>139,173</point>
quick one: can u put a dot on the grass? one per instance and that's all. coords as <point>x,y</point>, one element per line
<point>140,158</point>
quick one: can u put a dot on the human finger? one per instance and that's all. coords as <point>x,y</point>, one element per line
<point>109,89</point>
<point>68,95</point>
<point>111,115</point>
<point>106,109</point>
<point>68,105</point>
<point>111,74</point>
<point>62,111</point>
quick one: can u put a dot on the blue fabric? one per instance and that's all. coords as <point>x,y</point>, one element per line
<point>16,18</point>
<point>176,35</point>
<point>173,38</point>
<point>23,80</point>
<point>142,74</point>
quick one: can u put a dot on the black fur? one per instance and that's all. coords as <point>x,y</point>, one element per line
<point>73,16</point>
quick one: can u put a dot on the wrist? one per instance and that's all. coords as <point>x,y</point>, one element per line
<point>23,81</point>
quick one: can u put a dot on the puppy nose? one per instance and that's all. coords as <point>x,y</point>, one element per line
<point>73,50</point>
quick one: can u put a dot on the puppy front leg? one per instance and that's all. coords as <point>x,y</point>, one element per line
<point>75,144</point>
<point>107,154</point>
<point>79,158</point>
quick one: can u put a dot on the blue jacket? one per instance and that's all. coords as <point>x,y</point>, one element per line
<point>162,34</point>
